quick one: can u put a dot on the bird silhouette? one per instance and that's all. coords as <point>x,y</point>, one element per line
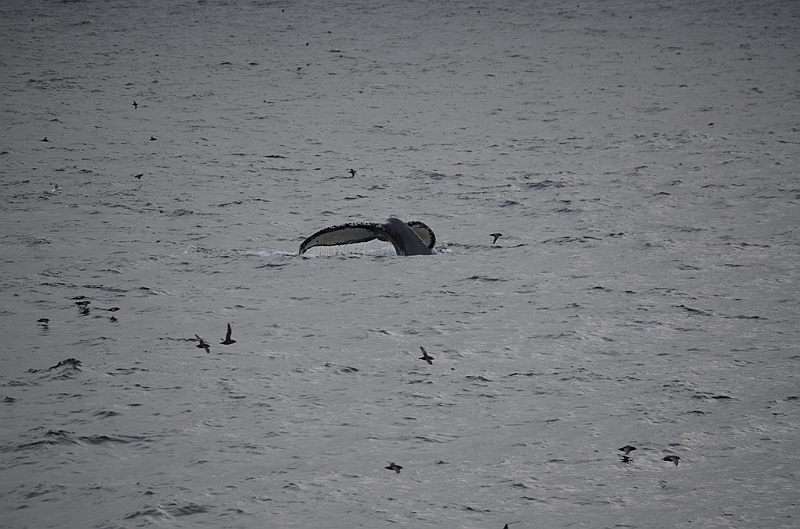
<point>228,339</point>
<point>674,459</point>
<point>425,356</point>
<point>135,105</point>
<point>352,173</point>
<point>393,466</point>
<point>203,345</point>
<point>496,236</point>
<point>628,449</point>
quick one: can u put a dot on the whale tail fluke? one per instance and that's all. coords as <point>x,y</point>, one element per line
<point>412,238</point>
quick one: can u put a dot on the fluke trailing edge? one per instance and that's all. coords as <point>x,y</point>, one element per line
<point>412,238</point>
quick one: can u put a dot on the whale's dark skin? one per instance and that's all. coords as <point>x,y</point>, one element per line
<point>407,238</point>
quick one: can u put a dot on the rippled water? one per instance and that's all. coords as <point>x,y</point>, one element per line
<point>640,160</point>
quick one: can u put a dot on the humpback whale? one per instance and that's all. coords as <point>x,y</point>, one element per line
<point>412,238</point>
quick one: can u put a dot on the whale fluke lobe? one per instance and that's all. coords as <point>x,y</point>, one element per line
<point>412,238</point>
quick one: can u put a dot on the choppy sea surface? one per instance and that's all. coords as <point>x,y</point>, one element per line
<point>639,158</point>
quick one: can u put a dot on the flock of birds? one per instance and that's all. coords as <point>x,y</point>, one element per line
<point>83,306</point>
<point>202,344</point>
<point>227,341</point>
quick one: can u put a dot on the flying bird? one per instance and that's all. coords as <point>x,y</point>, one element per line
<point>496,236</point>
<point>44,322</point>
<point>628,449</point>
<point>352,173</point>
<point>393,466</point>
<point>674,459</point>
<point>135,105</point>
<point>228,339</point>
<point>138,176</point>
<point>203,345</point>
<point>425,356</point>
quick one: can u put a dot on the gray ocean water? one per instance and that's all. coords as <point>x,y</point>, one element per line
<point>639,158</point>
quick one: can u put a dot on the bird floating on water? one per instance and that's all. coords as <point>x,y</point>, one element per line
<point>83,305</point>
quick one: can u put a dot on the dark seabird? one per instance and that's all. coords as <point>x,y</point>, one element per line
<point>425,356</point>
<point>138,176</point>
<point>228,340</point>
<point>352,173</point>
<point>44,322</point>
<point>496,236</point>
<point>393,466</point>
<point>628,449</point>
<point>203,345</point>
<point>135,105</point>
<point>112,319</point>
<point>412,238</point>
<point>506,525</point>
<point>45,139</point>
<point>82,303</point>
<point>152,138</point>
<point>674,459</point>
